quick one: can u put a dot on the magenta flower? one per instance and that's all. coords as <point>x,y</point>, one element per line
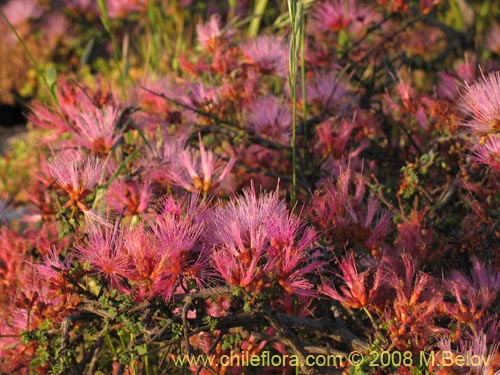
<point>167,256</point>
<point>269,53</point>
<point>20,11</point>
<point>473,295</point>
<point>52,268</point>
<point>489,153</point>
<point>479,347</point>
<point>106,252</point>
<point>77,177</point>
<point>162,160</point>
<point>204,97</point>
<point>122,8</point>
<point>179,257</point>
<point>271,119</point>
<point>415,305</point>
<point>133,198</point>
<point>480,102</point>
<point>327,91</point>
<point>240,239</point>
<point>73,101</point>
<point>43,117</point>
<point>360,289</point>
<point>257,243</point>
<point>339,15</point>
<point>97,130</point>
<point>201,170</point>
<point>343,214</point>
<point>209,33</point>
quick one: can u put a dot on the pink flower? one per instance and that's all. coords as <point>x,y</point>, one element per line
<point>169,255</point>
<point>271,119</point>
<point>473,295</point>
<point>344,216</point>
<point>333,137</point>
<point>77,177</point>
<point>134,197</point>
<point>360,288</point>
<point>97,130</point>
<point>415,305</point>
<point>106,252</point>
<point>52,268</point>
<point>415,238</point>
<point>73,100</point>
<point>162,160</point>
<point>489,153</point>
<point>45,118</point>
<point>480,102</point>
<point>258,243</point>
<point>200,170</point>
<point>20,11</point>
<point>479,347</point>
<point>13,250</point>
<point>327,91</point>
<point>404,90</point>
<point>180,256</point>
<point>209,32</point>
<point>166,253</point>
<point>269,53</point>
<point>339,15</point>
<point>206,98</point>
<point>122,8</point>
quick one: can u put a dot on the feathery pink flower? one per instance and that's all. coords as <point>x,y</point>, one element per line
<point>97,130</point>
<point>201,170</point>
<point>209,32</point>
<point>414,307</point>
<point>77,177</point>
<point>20,11</point>
<point>180,256</point>
<point>134,197</point>
<point>339,15</point>
<point>106,252</point>
<point>270,118</point>
<point>479,347</point>
<point>166,252</point>
<point>269,53</point>
<point>489,153</point>
<point>257,243</point>
<point>52,269</point>
<point>327,91</point>
<point>122,8</point>
<point>360,289</point>
<point>473,295</point>
<point>480,102</point>
<point>342,213</point>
